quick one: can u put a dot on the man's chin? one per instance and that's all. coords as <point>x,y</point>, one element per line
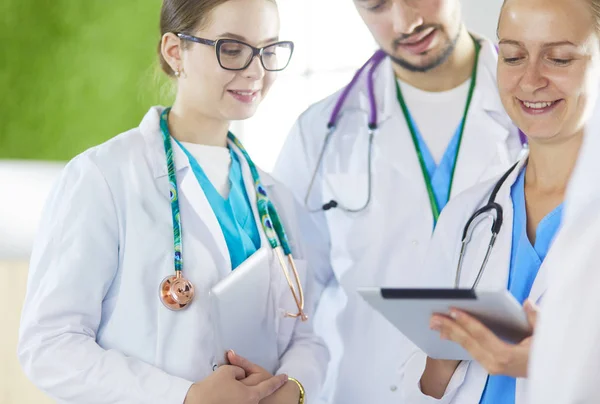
<point>425,62</point>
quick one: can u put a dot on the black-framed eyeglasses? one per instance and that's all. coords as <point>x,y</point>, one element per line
<point>237,55</point>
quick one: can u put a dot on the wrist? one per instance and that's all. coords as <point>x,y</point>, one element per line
<point>193,395</point>
<point>437,376</point>
<point>298,388</point>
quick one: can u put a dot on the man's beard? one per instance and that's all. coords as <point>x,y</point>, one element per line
<point>449,47</point>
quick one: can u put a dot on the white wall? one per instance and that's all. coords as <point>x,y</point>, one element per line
<point>24,187</point>
<point>481,16</point>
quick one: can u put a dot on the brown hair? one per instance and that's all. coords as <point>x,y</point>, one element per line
<point>183,16</point>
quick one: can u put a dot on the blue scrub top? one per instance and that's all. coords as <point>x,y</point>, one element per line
<point>234,214</point>
<point>525,261</point>
<point>441,175</point>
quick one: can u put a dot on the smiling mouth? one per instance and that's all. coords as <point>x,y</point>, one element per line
<point>245,96</point>
<point>538,104</point>
<point>244,92</point>
<point>538,107</point>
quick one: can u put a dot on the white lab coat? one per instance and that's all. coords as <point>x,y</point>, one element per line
<point>565,362</point>
<point>382,245</point>
<point>439,270</point>
<point>93,329</point>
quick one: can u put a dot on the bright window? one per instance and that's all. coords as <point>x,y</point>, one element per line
<point>328,51</point>
<point>331,43</point>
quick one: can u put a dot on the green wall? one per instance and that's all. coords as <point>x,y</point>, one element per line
<point>74,73</point>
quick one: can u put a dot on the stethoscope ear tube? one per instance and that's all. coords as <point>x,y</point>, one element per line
<point>497,221</point>
<point>372,64</point>
<point>496,224</point>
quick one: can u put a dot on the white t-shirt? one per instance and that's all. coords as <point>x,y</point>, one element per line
<point>437,115</point>
<point>215,161</point>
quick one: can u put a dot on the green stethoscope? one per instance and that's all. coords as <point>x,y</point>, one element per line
<point>177,292</point>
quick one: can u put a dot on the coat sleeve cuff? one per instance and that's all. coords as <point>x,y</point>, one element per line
<point>411,384</point>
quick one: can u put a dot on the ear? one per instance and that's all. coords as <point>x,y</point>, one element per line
<point>171,51</point>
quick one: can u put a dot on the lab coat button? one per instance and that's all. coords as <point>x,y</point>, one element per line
<point>415,243</point>
<point>393,388</point>
<point>215,366</point>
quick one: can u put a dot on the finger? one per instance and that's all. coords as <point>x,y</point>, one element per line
<point>269,386</point>
<point>531,310</point>
<point>255,379</point>
<point>489,350</point>
<point>486,338</point>
<point>235,371</point>
<point>451,330</point>
<point>243,363</point>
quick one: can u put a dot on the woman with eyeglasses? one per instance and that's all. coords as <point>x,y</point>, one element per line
<point>139,229</point>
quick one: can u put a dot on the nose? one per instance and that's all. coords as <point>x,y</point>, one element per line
<point>255,70</point>
<point>533,78</point>
<point>405,16</point>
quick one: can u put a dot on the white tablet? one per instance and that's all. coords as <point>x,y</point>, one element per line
<point>410,311</point>
<point>242,313</point>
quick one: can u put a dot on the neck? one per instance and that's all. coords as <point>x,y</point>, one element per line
<point>453,72</point>
<point>188,125</point>
<point>550,166</point>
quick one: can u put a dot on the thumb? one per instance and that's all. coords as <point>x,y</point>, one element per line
<point>243,363</point>
<point>531,310</point>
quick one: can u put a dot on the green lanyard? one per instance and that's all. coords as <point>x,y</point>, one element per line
<point>269,218</point>
<point>435,210</point>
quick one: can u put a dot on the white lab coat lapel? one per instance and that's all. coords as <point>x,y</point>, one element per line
<point>495,275</point>
<point>483,151</point>
<point>190,191</point>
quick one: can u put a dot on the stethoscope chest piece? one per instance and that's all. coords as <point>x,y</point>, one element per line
<point>176,292</point>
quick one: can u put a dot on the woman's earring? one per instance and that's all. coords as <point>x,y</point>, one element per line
<point>180,73</point>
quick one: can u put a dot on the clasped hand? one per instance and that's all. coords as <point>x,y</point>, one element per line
<point>243,382</point>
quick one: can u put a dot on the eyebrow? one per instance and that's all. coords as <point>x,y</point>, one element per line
<point>244,39</point>
<point>546,45</point>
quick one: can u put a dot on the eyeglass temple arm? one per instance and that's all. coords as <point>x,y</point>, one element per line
<point>196,39</point>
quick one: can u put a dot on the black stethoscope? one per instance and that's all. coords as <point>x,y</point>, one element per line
<point>491,210</point>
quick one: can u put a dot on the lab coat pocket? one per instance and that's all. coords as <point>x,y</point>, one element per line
<point>284,301</point>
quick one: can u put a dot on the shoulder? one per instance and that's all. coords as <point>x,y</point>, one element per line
<point>94,183</point>
<point>113,157</point>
